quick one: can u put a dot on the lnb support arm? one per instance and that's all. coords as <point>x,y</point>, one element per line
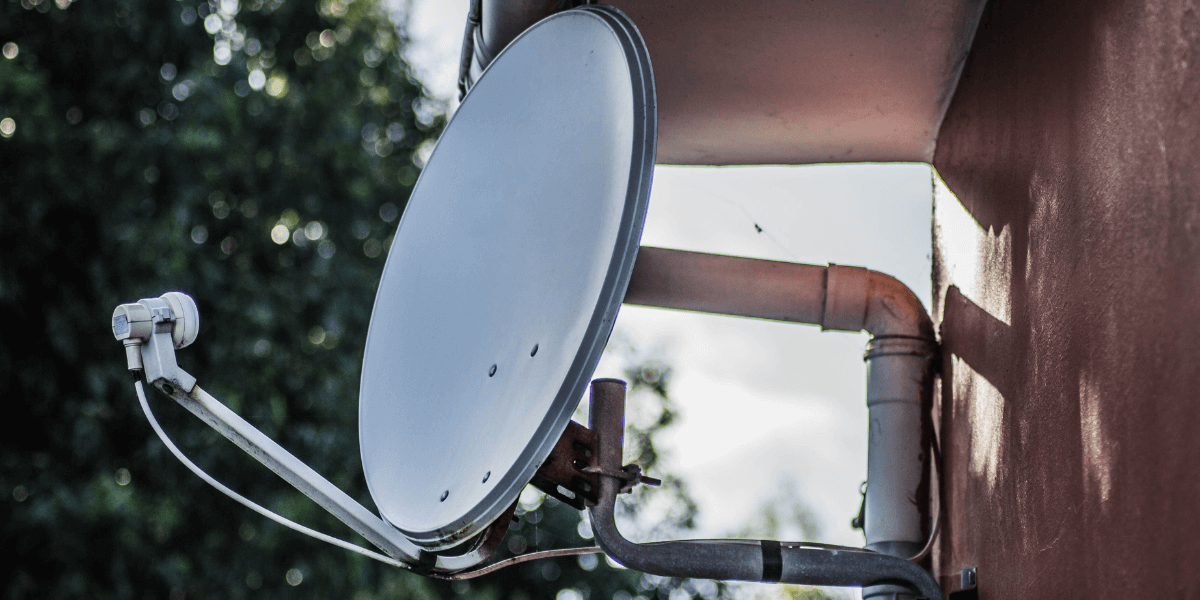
<point>744,560</point>
<point>153,328</point>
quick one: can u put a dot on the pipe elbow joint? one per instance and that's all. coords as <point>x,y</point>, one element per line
<point>858,299</point>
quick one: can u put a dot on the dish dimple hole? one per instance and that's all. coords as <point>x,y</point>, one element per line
<point>445,494</point>
<point>534,351</point>
<point>492,371</point>
<point>486,476</point>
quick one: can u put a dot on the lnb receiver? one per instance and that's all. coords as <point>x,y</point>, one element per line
<point>173,313</point>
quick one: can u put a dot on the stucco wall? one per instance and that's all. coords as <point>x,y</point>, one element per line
<point>1067,290</point>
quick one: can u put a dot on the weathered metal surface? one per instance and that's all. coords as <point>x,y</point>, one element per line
<point>566,468</point>
<point>746,560</point>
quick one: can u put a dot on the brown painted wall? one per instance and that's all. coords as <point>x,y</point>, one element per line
<point>780,81</point>
<point>1067,277</point>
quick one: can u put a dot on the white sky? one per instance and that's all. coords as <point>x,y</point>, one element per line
<point>760,402</point>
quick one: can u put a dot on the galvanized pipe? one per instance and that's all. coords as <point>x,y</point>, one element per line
<point>840,298</point>
<point>745,560</point>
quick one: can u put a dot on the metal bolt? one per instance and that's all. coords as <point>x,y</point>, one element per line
<point>486,476</point>
<point>968,578</point>
<point>445,494</point>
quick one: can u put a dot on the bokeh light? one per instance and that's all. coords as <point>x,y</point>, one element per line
<point>326,249</point>
<point>280,234</point>
<point>372,248</point>
<point>395,132</point>
<point>316,335</point>
<point>388,212</point>
<point>11,50</point>
<point>257,79</point>
<point>221,53</point>
<point>7,127</point>
<point>277,86</point>
<point>212,24</point>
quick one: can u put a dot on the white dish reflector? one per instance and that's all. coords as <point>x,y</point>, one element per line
<point>505,275</point>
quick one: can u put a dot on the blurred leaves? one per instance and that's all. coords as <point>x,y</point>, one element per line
<point>256,154</point>
<point>157,146</point>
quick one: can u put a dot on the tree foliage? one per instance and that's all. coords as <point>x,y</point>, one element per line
<point>256,155</point>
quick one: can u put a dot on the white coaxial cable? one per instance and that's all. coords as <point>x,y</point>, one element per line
<point>250,503</point>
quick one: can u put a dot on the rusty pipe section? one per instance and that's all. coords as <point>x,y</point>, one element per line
<point>840,298</point>
<point>745,560</point>
<point>836,297</point>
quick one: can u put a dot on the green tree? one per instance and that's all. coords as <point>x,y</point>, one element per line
<point>256,154</point>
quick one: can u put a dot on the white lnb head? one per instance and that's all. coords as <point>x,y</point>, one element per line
<point>187,318</point>
<point>135,322</point>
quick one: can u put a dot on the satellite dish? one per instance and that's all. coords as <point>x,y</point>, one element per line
<point>505,276</point>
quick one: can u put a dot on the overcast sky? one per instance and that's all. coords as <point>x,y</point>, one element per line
<point>761,402</point>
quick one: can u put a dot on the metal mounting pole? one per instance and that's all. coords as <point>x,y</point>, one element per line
<point>745,560</point>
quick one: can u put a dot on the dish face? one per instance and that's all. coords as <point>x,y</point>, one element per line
<point>506,274</point>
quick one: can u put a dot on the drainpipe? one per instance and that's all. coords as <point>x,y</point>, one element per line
<point>899,357</point>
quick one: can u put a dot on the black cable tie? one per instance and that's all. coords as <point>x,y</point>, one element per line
<point>425,562</point>
<point>772,558</point>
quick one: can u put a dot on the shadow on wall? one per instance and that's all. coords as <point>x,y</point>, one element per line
<point>1012,476</point>
<point>1068,374</point>
<point>1067,278</point>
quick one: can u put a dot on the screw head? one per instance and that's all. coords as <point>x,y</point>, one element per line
<point>445,494</point>
<point>534,351</point>
<point>486,476</point>
<point>492,371</point>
